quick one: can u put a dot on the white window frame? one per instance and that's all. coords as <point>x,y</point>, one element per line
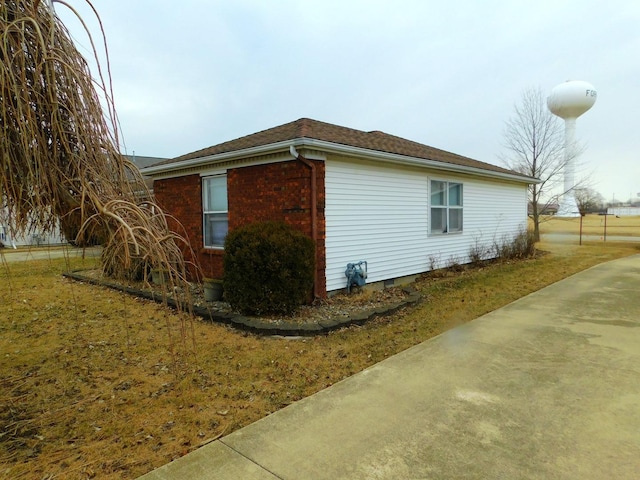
<point>447,207</point>
<point>221,214</point>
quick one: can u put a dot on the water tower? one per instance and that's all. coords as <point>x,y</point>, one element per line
<point>568,101</point>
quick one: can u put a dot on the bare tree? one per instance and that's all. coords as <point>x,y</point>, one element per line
<point>588,200</point>
<point>534,138</point>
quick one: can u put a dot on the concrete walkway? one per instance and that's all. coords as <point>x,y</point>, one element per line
<point>24,254</point>
<point>575,238</point>
<point>547,387</point>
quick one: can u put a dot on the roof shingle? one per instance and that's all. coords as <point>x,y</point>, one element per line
<point>314,129</point>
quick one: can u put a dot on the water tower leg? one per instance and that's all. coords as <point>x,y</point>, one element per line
<point>568,206</point>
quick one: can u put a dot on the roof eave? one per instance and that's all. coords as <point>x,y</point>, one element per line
<point>216,158</point>
<point>336,148</point>
<point>412,161</point>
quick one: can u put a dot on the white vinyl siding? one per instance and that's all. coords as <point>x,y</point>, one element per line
<point>373,214</point>
<point>381,214</point>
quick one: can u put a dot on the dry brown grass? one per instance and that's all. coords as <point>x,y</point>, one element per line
<point>90,387</point>
<point>593,225</point>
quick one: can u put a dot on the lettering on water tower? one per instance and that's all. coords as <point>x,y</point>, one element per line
<point>591,93</point>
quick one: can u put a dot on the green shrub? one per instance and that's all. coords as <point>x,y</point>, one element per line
<point>268,268</point>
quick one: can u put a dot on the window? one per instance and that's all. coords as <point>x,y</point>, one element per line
<point>216,213</point>
<point>446,207</point>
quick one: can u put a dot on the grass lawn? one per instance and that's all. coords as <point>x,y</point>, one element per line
<point>592,224</point>
<point>94,383</point>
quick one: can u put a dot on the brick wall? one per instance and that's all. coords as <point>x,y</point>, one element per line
<point>276,191</point>
<point>181,197</point>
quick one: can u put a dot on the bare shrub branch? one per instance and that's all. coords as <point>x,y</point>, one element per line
<point>60,162</point>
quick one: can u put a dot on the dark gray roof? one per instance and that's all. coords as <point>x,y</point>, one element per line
<point>306,128</point>
<point>144,162</point>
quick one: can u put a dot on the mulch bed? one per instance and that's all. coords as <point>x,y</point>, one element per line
<point>338,311</point>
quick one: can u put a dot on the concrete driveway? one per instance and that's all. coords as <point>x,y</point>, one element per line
<point>547,387</point>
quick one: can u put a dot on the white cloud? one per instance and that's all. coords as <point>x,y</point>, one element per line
<point>195,73</point>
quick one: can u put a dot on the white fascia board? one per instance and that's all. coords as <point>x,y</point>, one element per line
<point>414,161</point>
<point>220,157</point>
<point>330,147</point>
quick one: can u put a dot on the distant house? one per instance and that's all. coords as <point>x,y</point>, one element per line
<point>37,238</point>
<point>142,162</point>
<point>544,209</point>
<point>402,206</point>
<point>626,211</point>
<point>34,238</point>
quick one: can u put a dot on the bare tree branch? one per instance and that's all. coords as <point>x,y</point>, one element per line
<point>588,200</point>
<point>534,139</point>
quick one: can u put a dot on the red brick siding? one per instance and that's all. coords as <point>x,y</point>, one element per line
<point>181,197</point>
<point>276,191</point>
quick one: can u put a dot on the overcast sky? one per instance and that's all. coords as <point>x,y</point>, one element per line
<point>189,74</point>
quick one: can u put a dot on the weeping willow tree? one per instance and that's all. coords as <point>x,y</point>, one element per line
<point>60,159</point>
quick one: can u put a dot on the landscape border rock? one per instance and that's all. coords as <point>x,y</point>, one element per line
<point>255,324</point>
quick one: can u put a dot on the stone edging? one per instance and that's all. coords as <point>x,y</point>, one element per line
<point>256,325</point>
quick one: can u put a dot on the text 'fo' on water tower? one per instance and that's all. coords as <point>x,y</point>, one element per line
<point>568,101</point>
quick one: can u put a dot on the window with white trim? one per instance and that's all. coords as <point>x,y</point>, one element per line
<point>446,207</point>
<point>216,211</point>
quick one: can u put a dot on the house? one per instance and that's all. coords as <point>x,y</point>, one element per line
<point>36,236</point>
<point>32,238</point>
<point>142,162</point>
<point>544,209</point>
<point>403,207</point>
<point>624,211</point>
